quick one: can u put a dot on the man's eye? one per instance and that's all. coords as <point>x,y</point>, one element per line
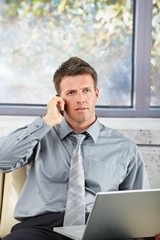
<point>71,93</point>
<point>87,90</point>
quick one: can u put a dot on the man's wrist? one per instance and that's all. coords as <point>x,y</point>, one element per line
<point>49,122</point>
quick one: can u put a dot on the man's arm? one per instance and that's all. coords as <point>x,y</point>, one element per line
<point>136,176</point>
<point>18,146</point>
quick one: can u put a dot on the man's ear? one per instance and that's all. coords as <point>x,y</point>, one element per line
<point>97,92</point>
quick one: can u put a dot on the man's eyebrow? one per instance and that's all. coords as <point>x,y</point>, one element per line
<point>86,88</point>
<point>74,90</point>
<point>70,90</point>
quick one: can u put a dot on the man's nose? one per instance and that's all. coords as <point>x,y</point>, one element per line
<point>80,97</point>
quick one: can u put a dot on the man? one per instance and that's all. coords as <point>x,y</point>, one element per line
<point>111,161</point>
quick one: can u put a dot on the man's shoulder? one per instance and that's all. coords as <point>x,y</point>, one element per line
<point>114,134</point>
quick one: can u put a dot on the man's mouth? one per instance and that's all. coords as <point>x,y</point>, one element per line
<point>80,109</point>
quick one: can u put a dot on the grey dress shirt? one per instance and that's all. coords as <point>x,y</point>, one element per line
<point>111,163</point>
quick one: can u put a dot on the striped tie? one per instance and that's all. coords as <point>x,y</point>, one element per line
<point>75,207</point>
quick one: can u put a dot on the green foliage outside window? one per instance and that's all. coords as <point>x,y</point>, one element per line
<point>36,36</point>
<point>155,60</point>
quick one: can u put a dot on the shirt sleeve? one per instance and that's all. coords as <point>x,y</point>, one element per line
<point>136,176</point>
<point>17,148</point>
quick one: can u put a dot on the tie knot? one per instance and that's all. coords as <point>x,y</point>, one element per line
<point>80,138</point>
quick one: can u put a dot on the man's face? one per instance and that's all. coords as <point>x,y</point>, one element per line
<point>80,97</point>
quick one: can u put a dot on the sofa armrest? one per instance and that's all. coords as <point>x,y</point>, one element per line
<point>1,190</point>
<point>13,183</point>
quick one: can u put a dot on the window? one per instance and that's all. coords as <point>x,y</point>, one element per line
<point>37,36</point>
<point>155,57</point>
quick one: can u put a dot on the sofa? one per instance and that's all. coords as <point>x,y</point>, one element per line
<point>10,188</point>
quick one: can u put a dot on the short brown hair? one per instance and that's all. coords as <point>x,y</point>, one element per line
<point>72,67</point>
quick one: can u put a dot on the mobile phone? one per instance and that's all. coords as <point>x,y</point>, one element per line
<point>61,112</point>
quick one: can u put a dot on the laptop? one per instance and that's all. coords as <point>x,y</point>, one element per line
<point>119,215</point>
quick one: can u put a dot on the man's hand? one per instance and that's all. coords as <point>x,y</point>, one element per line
<point>53,115</point>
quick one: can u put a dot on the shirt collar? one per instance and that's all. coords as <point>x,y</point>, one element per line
<point>65,129</point>
<point>93,130</point>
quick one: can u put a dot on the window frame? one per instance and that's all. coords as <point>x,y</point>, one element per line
<point>142,44</point>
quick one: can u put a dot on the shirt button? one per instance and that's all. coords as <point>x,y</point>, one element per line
<point>37,126</point>
<point>17,139</point>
